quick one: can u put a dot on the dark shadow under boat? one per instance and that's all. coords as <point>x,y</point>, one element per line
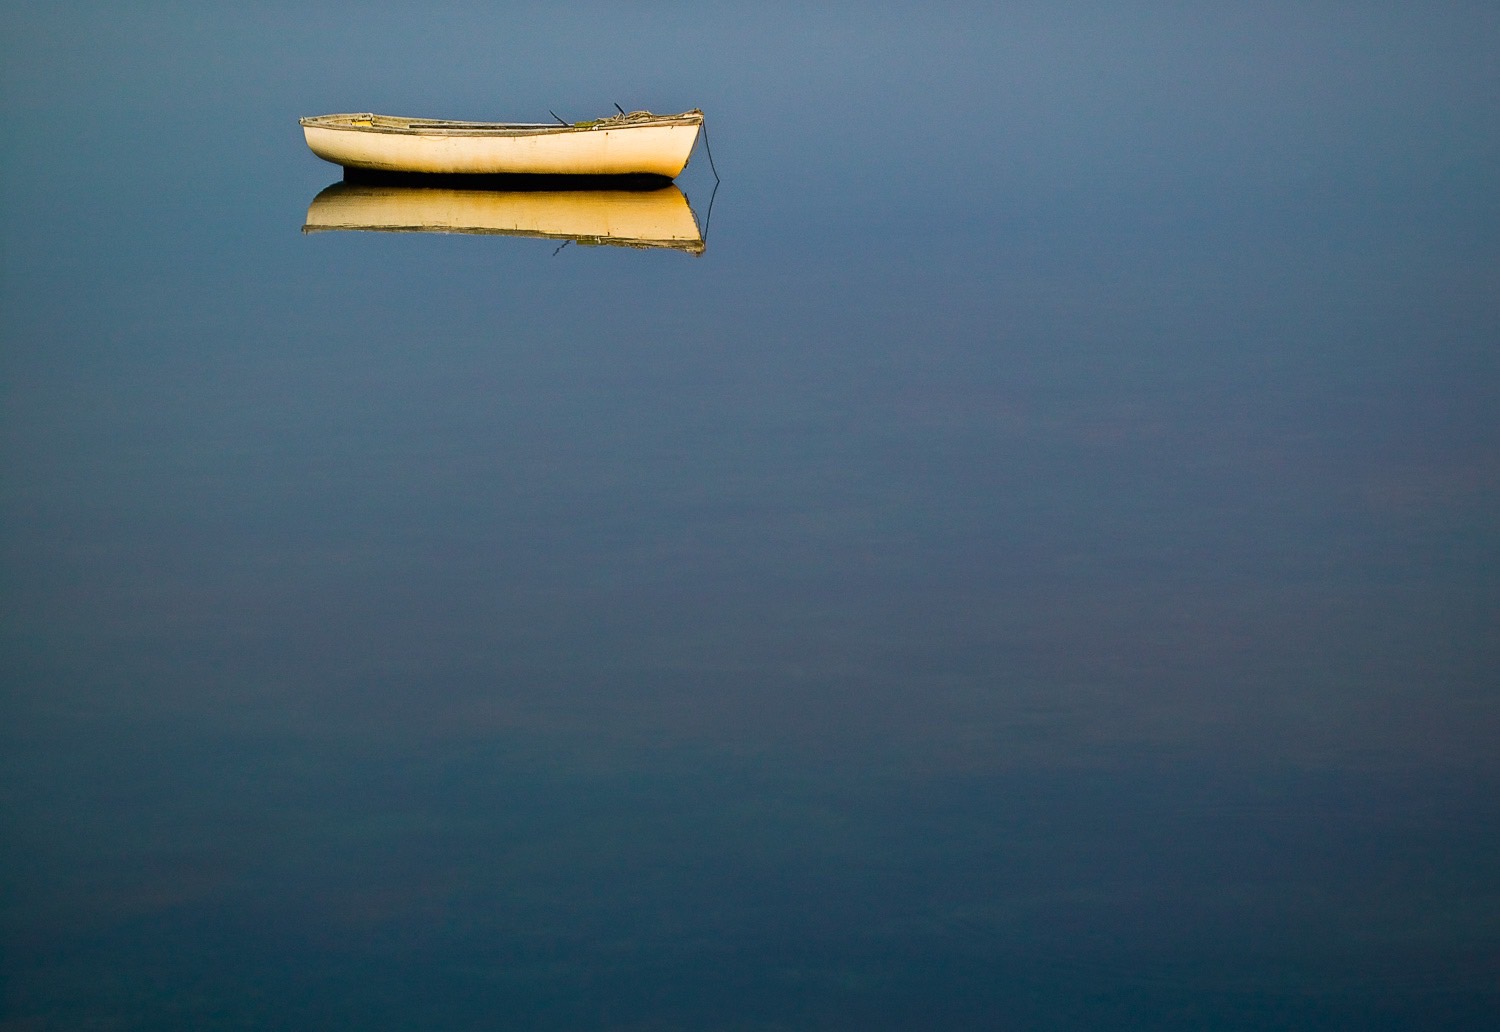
<point>508,183</point>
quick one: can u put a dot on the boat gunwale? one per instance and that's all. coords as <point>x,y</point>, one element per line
<point>399,126</point>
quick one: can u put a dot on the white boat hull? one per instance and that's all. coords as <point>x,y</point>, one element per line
<point>635,144</point>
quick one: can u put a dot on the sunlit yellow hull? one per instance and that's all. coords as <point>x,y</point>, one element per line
<point>639,143</point>
<point>629,218</point>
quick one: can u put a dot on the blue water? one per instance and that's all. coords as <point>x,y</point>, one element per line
<point>1037,569</point>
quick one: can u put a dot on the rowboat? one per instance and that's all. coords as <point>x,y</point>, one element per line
<point>639,144</point>
<point>623,218</point>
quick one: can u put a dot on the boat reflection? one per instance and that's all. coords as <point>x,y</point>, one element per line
<point>650,218</point>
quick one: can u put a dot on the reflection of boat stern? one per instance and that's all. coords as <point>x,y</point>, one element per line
<point>659,218</point>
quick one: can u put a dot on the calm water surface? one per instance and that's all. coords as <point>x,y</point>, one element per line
<point>1036,569</point>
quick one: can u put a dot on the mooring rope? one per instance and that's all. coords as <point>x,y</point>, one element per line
<point>710,152</point>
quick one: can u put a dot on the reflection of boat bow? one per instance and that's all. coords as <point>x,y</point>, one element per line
<point>639,143</point>
<point>626,218</point>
